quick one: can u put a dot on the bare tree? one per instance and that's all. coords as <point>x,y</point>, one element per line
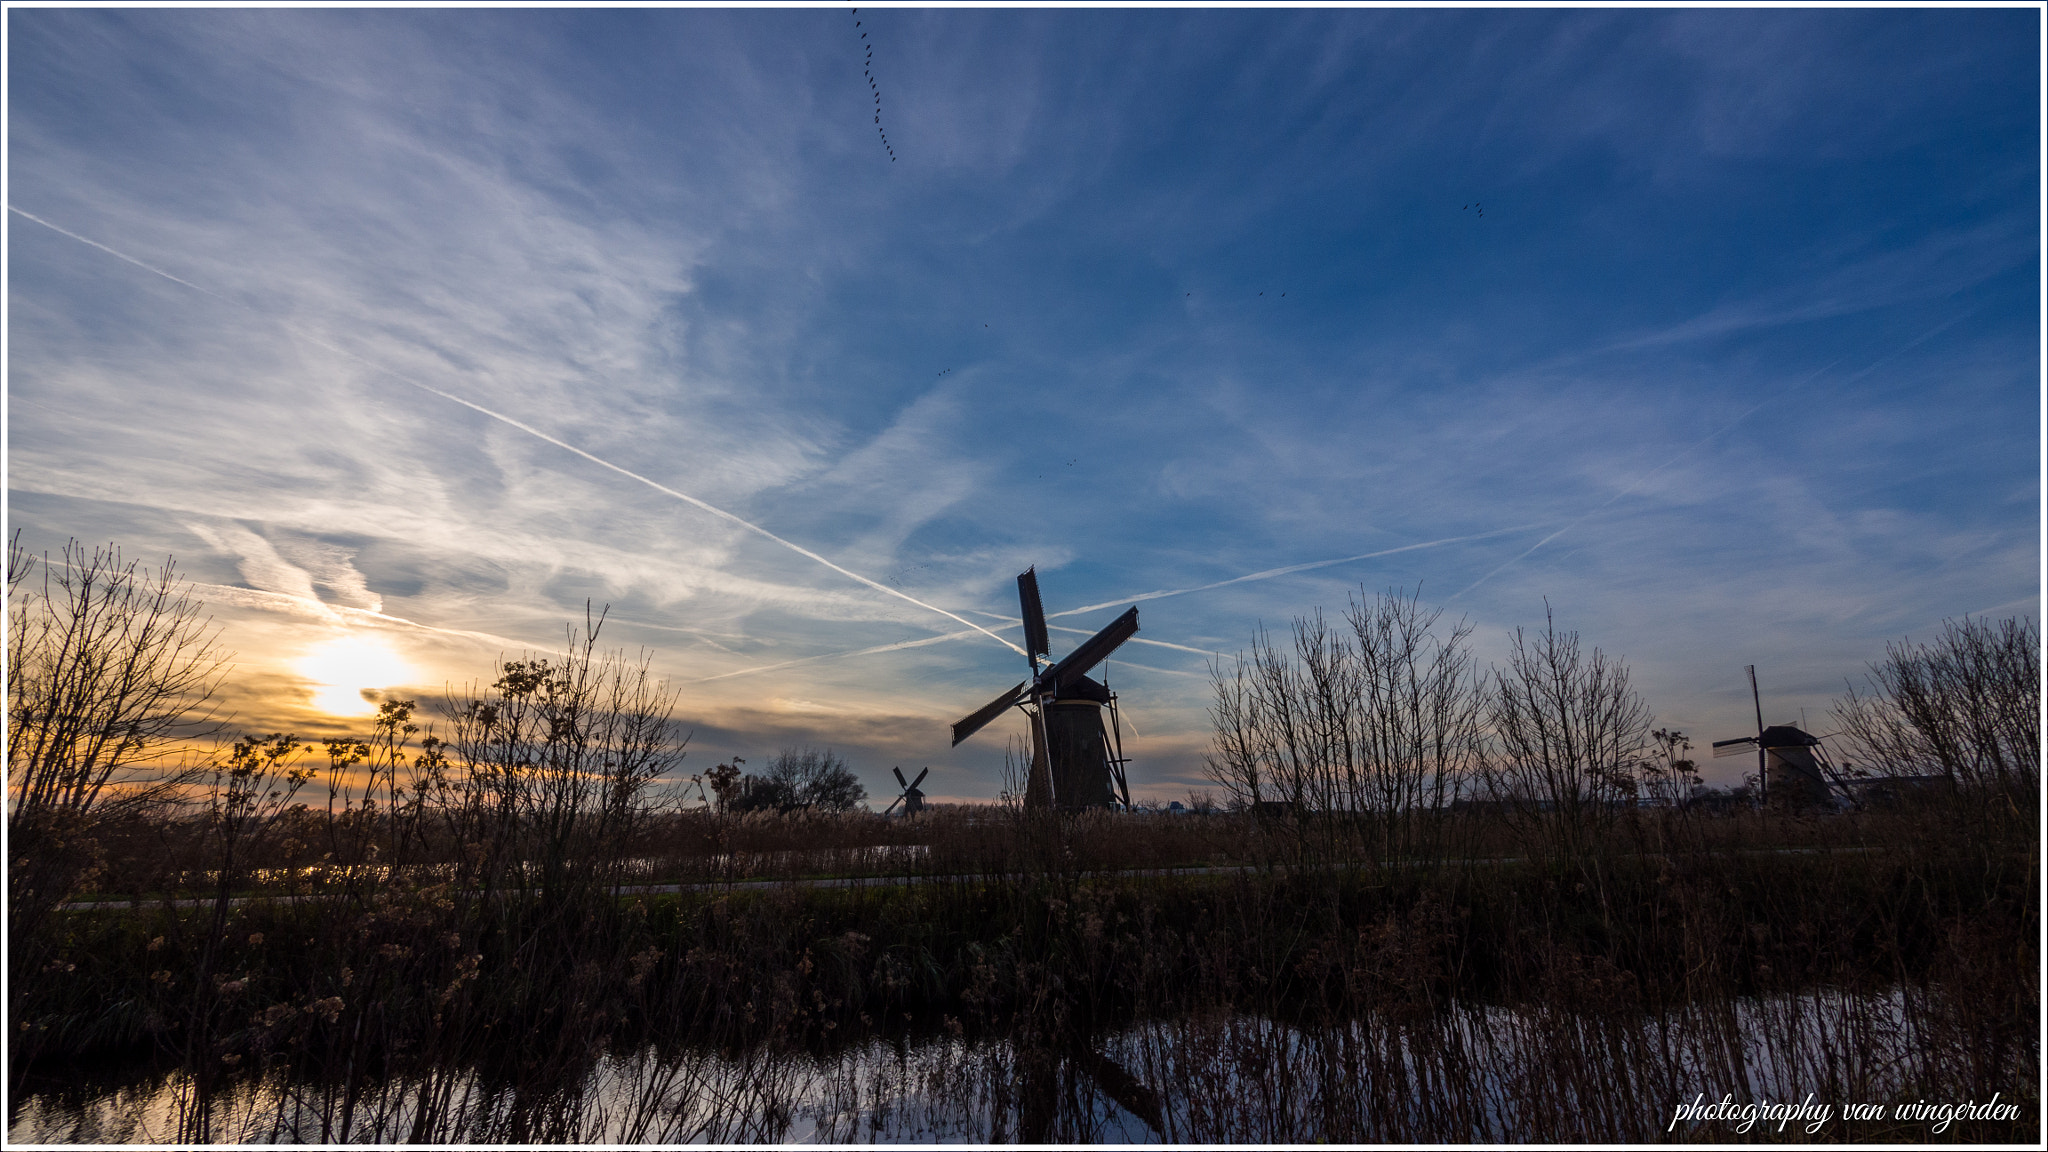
<point>802,780</point>
<point>1281,720</point>
<point>110,673</point>
<point>1569,737</point>
<point>1419,717</point>
<point>1376,722</point>
<point>1967,706</point>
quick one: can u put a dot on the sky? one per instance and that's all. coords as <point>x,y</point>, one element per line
<point>789,338</point>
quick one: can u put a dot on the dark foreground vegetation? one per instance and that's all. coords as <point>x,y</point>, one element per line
<point>452,939</point>
<point>1928,916</point>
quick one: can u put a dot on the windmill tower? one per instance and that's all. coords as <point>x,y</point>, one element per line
<point>1077,760</point>
<point>912,800</point>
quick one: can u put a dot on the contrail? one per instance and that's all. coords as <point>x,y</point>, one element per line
<point>1140,640</point>
<point>537,433</point>
<point>1639,482</point>
<point>121,256</point>
<point>1702,442</point>
<point>898,646</point>
<point>696,503</point>
<point>1269,573</point>
<point>919,643</point>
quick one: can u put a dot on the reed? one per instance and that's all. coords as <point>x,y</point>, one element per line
<point>1568,1007</point>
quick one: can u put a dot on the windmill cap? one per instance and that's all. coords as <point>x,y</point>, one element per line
<point>1787,736</point>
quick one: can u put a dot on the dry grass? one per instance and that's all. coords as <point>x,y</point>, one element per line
<point>1524,999</point>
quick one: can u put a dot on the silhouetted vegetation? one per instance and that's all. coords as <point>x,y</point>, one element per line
<point>801,780</point>
<point>516,932</point>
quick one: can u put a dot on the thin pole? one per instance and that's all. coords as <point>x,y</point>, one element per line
<point>1763,773</point>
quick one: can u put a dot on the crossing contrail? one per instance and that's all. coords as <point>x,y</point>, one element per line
<point>1703,441</point>
<point>896,647</point>
<point>1270,573</point>
<point>538,434</point>
<point>1139,640</point>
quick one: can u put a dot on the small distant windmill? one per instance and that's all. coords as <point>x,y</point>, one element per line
<point>1790,761</point>
<point>1076,760</point>
<point>912,800</point>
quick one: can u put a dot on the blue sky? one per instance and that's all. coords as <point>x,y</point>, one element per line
<point>394,326</point>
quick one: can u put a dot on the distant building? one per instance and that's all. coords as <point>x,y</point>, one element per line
<point>1898,791</point>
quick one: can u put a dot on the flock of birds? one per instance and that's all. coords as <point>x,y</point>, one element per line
<point>867,69</point>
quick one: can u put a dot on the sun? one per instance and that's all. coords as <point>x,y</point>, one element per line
<point>347,670</point>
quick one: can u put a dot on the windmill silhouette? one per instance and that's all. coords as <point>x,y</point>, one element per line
<point>1792,766</point>
<point>912,800</point>
<point>1076,760</point>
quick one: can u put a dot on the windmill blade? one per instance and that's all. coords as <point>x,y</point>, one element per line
<point>892,805</point>
<point>964,728</point>
<point>899,777</point>
<point>1735,747</point>
<point>1035,641</point>
<point>1092,651</point>
<point>920,778</point>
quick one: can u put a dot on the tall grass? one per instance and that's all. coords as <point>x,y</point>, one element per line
<point>1480,998</point>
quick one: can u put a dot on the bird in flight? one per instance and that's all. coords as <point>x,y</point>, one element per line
<point>867,71</point>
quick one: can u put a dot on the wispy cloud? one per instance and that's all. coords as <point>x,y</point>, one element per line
<point>267,561</point>
<point>459,320</point>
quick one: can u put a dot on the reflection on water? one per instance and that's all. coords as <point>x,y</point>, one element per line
<point>1472,1073</point>
<point>876,858</point>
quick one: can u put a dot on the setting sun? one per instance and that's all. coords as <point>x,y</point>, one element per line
<point>345,668</point>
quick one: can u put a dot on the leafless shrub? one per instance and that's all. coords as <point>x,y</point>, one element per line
<point>1569,736</point>
<point>1418,720</point>
<point>1967,706</point>
<point>554,766</point>
<point>1378,721</point>
<point>110,668</point>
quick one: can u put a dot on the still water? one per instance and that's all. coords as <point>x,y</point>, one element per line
<point>1467,1073</point>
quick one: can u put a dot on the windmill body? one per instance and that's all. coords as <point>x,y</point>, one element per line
<point>1795,771</point>
<point>1076,758</point>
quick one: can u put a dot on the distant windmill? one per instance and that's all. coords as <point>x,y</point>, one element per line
<point>1791,765</point>
<point>1076,760</point>
<point>912,800</point>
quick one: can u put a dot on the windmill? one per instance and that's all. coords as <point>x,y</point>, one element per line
<point>1076,760</point>
<point>1792,766</point>
<point>912,800</point>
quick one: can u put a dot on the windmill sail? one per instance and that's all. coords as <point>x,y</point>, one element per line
<point>1094,650</point>
<point>962,729</point>
<point>1035,641</point>
<point>1735,747</point>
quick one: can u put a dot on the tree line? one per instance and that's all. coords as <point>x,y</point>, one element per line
<point>1385,718</point>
